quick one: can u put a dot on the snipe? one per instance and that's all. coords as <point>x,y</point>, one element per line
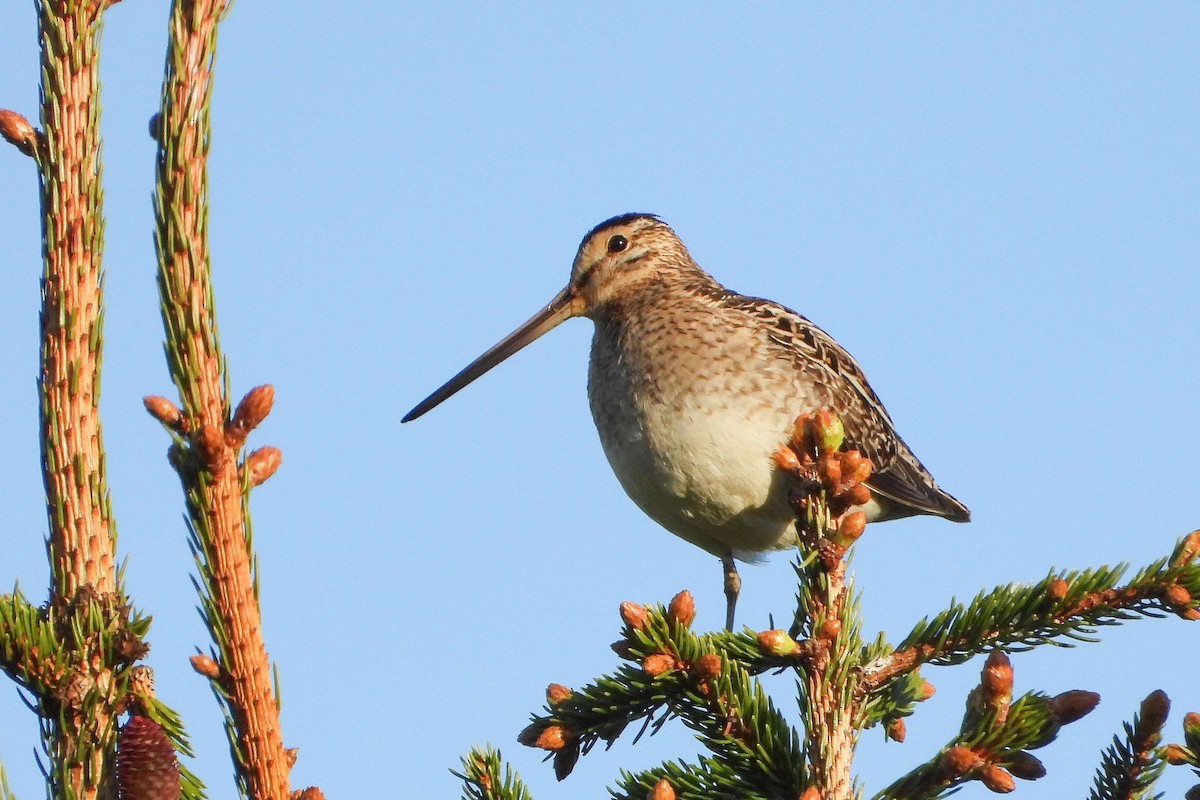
<point>693,387</point>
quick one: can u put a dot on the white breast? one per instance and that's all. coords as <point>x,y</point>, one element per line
<point>690,438</point>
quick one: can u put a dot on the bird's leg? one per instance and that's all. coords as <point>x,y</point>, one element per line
<point>733,585</point>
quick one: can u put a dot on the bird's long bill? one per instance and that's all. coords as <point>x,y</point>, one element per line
<point>564,306</point>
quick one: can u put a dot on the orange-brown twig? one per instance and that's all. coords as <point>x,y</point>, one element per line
<point>210,474</point>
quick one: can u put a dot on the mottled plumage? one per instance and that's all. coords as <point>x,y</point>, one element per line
<point>693,387</point>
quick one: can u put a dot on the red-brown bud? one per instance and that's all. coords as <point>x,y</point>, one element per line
<point>927,691</point>
<point>552,738</point>
<point>1057,589</point>
<point>851,464</point>
<point>1188,549</point>
<point>997,678</point>
<point>997,779</point>
<point>622,648</point>
<point>662,791</point>
<point>311,793</point>
<point>530,733</point>
<point>147,768</point>
<point>802,440</point>
<point>291,754</point>
<point>829,469</point>
<point>958,761</point>
<point>850,528</point>
<point>829,629</point>
<point>1176,597</point>
<point>251,411</point>
<point>785,459</point>
<point>1177,755</point>
<point>556,693</point>
<point>706,666</point>
<point>210,446</point>
<point>16,130</point>
<point>262,464</point>
<point>858,495</point>
<point>164,411</point>
<point>1072,705</point>
<point>658,664</point>
<point>895,729</point>
<point>205,666</point>
<point>811,793</point>
<point>1154,711</point>
<point>777,643</point>
<point>633,615</point>
<point>1191,729</point>
<point>682,608</point>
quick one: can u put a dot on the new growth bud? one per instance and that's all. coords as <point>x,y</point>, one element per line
<point>707,666</point>
<point>1153,712</point>
<point>633,615</point>
<point>682,608</point>
<point>958,761</point>
<point>1057,589</point>
<point>658,664</point>
<point>556,693</point>
<point>205,666</point>
<point>662,791</point>
<point>1176,755</point>
<point>777,643</point>
<point>1191,729</point>
<point>828,433</point>
<point>997,779</point>
<point>164,411</point>
<point>552,738</point>
<point>997,678</point>
<point>17,131</point>
<point>253,409</point>
<point>262,464</point>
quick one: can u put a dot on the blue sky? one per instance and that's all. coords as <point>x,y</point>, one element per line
<point>993,206</point>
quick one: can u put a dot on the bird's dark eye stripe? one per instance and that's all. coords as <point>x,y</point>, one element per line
<point>617,243</point>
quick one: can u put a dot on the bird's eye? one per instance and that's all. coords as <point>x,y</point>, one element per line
<point>617,243</point>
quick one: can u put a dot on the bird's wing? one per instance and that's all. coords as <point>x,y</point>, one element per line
<point>899,475</point>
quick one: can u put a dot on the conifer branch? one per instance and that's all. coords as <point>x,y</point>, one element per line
<point>1132,763</point>
<point>82,535</point>
<point>1064,606</point>
<point>485,776</point>
<point>679,675</point>
<point>208,438</point>
<point>74,653</point>
<point>995,738</point>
